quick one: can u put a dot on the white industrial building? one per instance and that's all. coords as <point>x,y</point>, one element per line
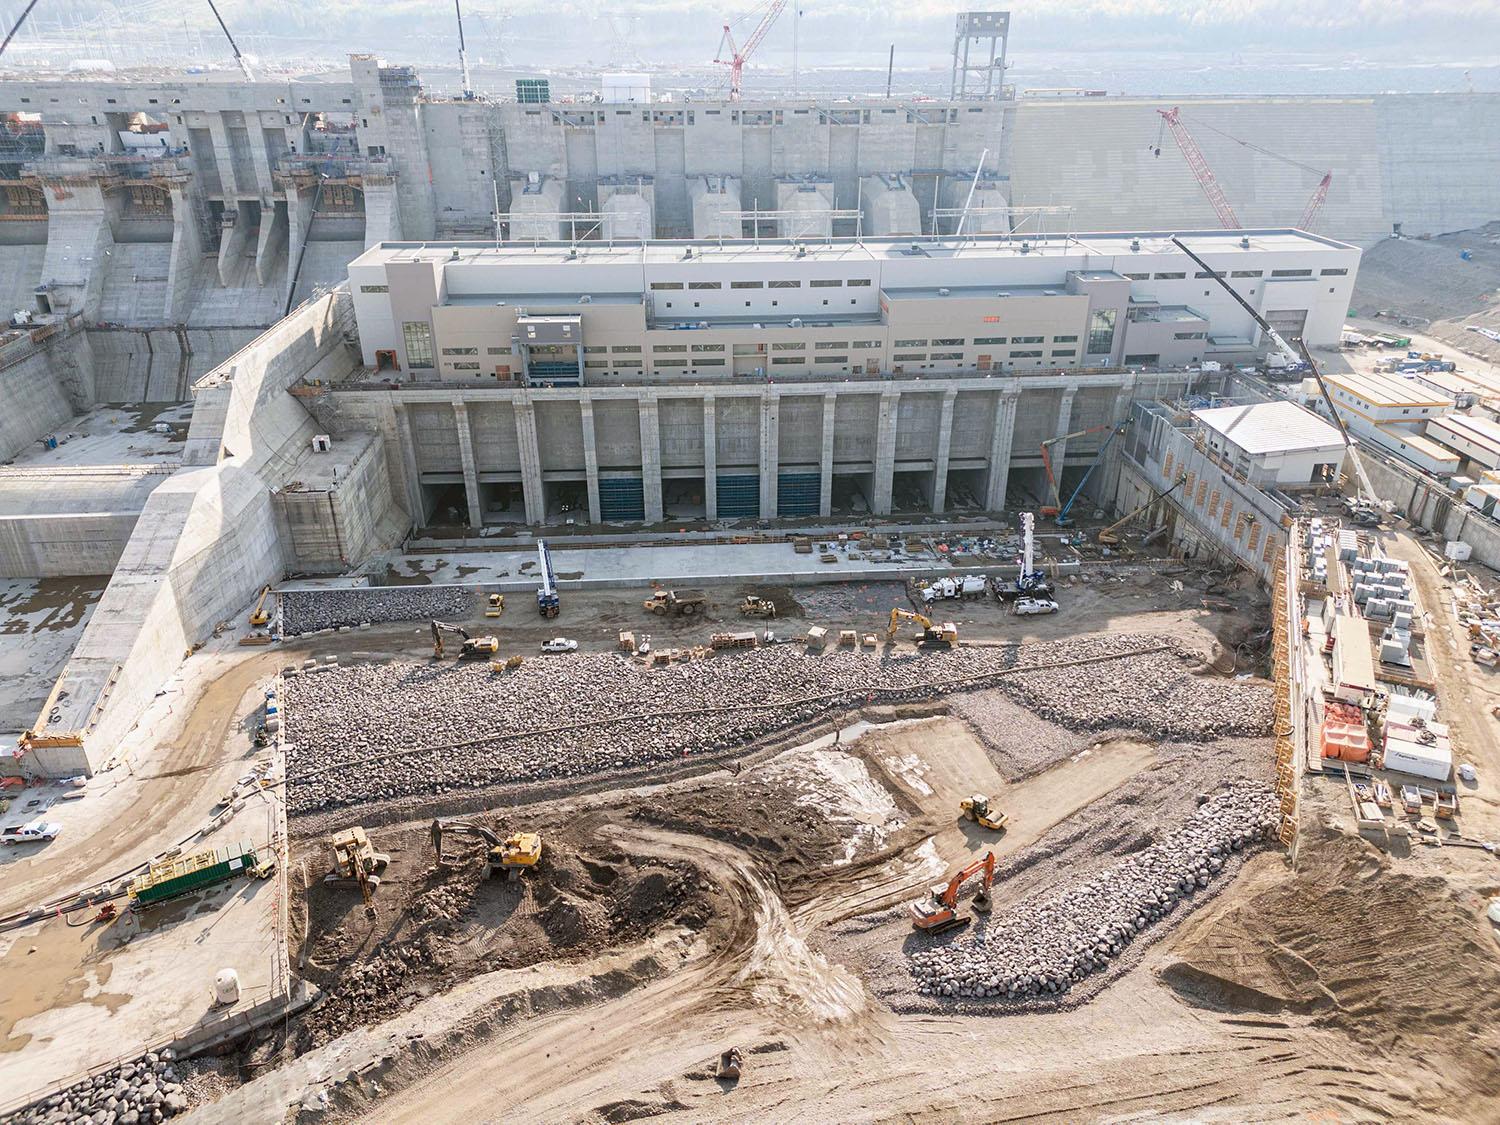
<point>1392,412</point>
<point>1273,444</point>
<point>1476,440</point>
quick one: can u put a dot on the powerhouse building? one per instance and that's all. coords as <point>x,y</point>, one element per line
<point>700,379</point>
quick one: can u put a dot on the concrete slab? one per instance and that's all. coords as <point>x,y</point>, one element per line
<point>40,622</point>
<point>115,435</point>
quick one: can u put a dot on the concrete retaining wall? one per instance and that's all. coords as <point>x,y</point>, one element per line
<point>1434,507</point>
<point>32,403</point>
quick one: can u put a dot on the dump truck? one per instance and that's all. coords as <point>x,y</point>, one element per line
<point>684,603</point>
<point>177,877</point>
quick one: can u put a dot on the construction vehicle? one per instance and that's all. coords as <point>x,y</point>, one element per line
<point>732,640</point>
<point>473,647</point>
<point>983,812</point>
<point>938,913</point>
<point>1367,504</point>
<point>548,601</point>
<point>173,878</point>
<point>1028,580</point>
<point>1028,606</point>
<point>944,634</point>
<point>1055,507</point>
<point>506,857</point>
<point>684,603</point>
<point>757,607</point>
<point>494,605</point>
<point>258,615</point>
<point>947,589</point>
<point>356,860</point>
<point>1110,536</point>
<point>1119,428</point>
<point>739,55</point>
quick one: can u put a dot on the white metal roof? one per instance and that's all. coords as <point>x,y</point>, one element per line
<point>1270,427</point>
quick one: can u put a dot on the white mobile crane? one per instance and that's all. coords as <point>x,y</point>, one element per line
<point>1030,582</point>
<point>548,603</point>
<point>1366,507</point>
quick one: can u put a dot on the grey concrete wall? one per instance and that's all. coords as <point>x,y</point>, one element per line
<point>159,365</point>
<point>32,403</point>
<point>1433,506</point>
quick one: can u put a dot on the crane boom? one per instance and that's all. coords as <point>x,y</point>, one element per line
<point>1301,354</point>
<point>548,603</point>
<point>463,55</point>
<point>1201,171</point>
<point>1315,204</point>
<point>233,46</point>
<point>738,56</point>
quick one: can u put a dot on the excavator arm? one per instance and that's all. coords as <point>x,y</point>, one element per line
<point>899,615</point>
<point>985,864</point>
<point>461,828</point>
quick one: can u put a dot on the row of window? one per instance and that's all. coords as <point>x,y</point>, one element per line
<point>1169,276</point>
<point>816,283</point>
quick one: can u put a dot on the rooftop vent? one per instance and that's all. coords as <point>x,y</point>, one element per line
<point>1135,245</point>
<point>453,257</point>
<point>1244,244</point>
<point>944,292</point>
<point>585,300</point>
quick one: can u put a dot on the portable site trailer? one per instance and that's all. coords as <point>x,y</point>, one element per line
<point>1353,662</point>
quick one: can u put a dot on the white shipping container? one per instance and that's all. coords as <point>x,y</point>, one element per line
<point>1433,762</point>
<point>1457,550</point>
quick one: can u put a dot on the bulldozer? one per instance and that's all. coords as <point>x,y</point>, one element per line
<point>355,859</point>
<point>938,913</point>
<point>506,857</point>
<point>473,647</point>
<point>753,606</point>
<point>945,634</point>
<point>983,812</point>
<point>684,603</point>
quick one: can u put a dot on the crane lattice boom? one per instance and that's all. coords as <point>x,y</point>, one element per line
<point>1315,204</point>
<point>739,55</point>
<point>1201,171</point>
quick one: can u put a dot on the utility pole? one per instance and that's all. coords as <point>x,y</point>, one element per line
<point>796,20</point>
<point>890,67</point>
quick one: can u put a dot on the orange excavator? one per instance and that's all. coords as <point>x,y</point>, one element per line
<point>938,913</point>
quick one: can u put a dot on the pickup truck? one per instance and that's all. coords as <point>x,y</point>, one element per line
<point>560,644</point>
<point>38,831</point>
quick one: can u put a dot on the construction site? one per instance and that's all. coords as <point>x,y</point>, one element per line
<point>503,612</point>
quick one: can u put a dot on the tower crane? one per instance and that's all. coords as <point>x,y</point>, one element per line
<point>1367,501</point>
<point>1206,179</point>
<point>548,602</point>
<point>738,56</point>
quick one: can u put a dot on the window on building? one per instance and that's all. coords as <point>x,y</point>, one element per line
<point>947,356</point>
<point>910,343</point>
<point>990,320</point>
<point>418,337</point>
<point>669,363</point>
<point>595,364</point>
<point>784,285</point>
<point>709,362</point>
<point>666,285</point>
<point>859,281</point>
<point>627,361</point>
<point>1143,359</point>
<point>1333,273</point>
<point>1027,339</point>
<point>374,288</point>
<point>867,344</point>
<point>832,345</point>
<point>910,357</point>
<point>1245,273</point>
<point>1170,276</point>
<point>825,282</point>
<point>1138,277</point>
<point>1209,273</point>
<point>497,351</point>
<point>989,340</point>
<point>466,366</point>
<point>831,359</point>
<point>1025,355</point>
<point>708,347</point>
<point>1187,335</point>
<point>783,360</point>
<point>596,350</point>
<point>461,351</point>
<point>747,285</point>
<point>787,347</point>
<point>705,285</point>
<point>958,343</point>
<point>631,349</point>
<point>1064,351</point>
<point>669,347</point>
<point>1102,331</point>
<point>1291,273</point>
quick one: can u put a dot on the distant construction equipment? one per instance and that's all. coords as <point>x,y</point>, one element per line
<point>1110,537</point>
<point>548,601</point>
<point>683,603</point>
<point>356,860</point>
<point>258,615</point>
<point>1055,508</point>
<point>173,878</point>
<point>494,605</point>
<point>473,647</point>
<point>505,858</point>
<point>738,55</point>
<point>1116,430</point>
<point>753,606</point>
<point>938,913</point>
<point>944,634</point>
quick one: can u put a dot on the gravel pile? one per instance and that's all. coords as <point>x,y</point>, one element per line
<point>377,732</point>
<point>146,1090</point>
<point>307,611</point>
<point>1045,946</point>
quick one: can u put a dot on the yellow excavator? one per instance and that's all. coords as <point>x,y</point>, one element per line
<point>355,859</point>
<point>473,647</point>
<point>944,634</point>
<point>506,857</point>
<point>258,615</point>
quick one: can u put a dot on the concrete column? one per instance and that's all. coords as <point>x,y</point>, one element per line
<point>272,243</point>
<point>299,214</point>
<point>590,458</point>
<point>770,452</point>
<point>224,157</point>
<point>1064,419</point>
<point>79,243</point>
<point>885,453</point>
<point>945,442</point>
<point>531,462</point>
<point>710,459</point>
<point>1108,474</point>
<point>825,462</point>
<point>409,465</point>
<point>382,211</point>
<point>466,457</point>
<point>651,459</point>
<point>1000,447</point>
<point>260,157</point>
<point>187,254</point>
<point>232,241</point>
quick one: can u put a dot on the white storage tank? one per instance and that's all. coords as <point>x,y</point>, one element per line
<point>226,987</point>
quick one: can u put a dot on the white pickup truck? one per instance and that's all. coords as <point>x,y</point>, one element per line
<point>38,831</point>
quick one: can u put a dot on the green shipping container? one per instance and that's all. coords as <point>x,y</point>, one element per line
<point>183,876</point>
